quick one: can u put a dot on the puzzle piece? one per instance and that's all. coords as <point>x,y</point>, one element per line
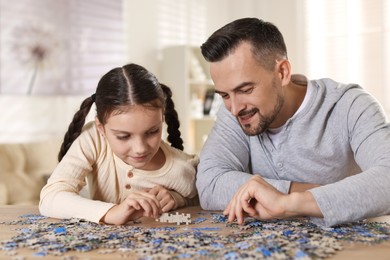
<point>178,218</point>
<point>280,239</point>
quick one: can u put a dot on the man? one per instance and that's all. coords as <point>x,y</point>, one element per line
<point>283,146</point>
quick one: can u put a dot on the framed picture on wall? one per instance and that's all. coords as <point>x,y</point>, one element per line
<point>58,47</point>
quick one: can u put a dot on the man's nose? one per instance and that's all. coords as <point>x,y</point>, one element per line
<point>235,106</point>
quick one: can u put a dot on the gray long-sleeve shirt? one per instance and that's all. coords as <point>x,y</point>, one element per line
<point>340,140</point>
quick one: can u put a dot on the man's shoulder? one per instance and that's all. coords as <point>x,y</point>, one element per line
<point>333,85</point>
<point>336,89</point>
<point>344,94</point>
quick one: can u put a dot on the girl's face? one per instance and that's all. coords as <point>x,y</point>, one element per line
<point>134,135</point>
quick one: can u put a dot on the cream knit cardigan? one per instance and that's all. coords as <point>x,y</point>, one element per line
<point>90,179</point>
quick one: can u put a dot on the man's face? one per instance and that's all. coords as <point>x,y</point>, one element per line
<point>250,92</point>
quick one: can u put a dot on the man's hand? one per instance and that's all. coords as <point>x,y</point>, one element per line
<point>258,199</point>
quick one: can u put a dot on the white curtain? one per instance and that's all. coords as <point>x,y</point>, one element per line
<point>349,40</point>
<point>181,22</point>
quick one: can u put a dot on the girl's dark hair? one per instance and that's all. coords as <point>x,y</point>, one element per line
<point>267,41</point>
<point>131,84</point>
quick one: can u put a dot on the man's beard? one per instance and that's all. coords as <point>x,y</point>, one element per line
<point>264,122</point>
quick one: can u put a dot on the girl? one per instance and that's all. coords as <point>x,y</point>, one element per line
<point>129,171</point>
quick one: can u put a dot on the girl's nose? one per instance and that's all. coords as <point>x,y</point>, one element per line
<point>139,146</point>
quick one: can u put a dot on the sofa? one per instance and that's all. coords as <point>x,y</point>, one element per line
<point>31,133</point>
<point>24,169</point>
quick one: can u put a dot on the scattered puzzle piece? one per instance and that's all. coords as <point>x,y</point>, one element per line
<point>178,218</point>
<point>280,239</point>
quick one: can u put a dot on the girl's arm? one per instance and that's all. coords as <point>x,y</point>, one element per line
<point>184,201</point>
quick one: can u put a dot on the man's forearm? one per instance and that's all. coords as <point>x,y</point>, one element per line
<point>300,187</point>
<point>302,204</point>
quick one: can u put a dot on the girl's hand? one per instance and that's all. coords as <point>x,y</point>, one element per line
<point>137,204</point>
<point>164,197</point>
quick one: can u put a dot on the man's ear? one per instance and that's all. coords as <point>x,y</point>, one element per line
<point>284,71</point>
<point>99,127</point>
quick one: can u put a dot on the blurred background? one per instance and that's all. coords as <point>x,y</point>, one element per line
<point>53,52</point>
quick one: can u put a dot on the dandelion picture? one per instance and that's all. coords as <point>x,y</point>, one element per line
<point>35,46</point>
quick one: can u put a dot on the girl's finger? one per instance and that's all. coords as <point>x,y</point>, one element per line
<point>168,206</point>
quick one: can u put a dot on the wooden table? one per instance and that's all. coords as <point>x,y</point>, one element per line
<point>7,213</point>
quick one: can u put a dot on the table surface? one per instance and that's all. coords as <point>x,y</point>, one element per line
<point>11,212</point>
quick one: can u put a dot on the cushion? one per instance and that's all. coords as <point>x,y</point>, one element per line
<point>24,169</point>
<point>3,193</point>
<point>20,188</point>
<point>11,157</point>
<point>41,157</point>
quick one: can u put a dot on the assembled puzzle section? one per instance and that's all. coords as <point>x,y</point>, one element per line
<point>175,218</point>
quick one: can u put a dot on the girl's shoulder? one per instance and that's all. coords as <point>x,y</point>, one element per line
<point>90,130</point>
<point>178,155</point>
<point>90,137</point>
<point>90,126</point>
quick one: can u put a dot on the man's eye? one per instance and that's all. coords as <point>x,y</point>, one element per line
<point>224,96</point>
<point>246,91</point>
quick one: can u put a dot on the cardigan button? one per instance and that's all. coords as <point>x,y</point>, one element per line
<point>128,186</point>
<point>130,174</point>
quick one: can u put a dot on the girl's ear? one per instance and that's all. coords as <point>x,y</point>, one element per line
<point>99,127</point>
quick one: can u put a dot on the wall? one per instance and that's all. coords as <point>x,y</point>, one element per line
<point>26,118</point>
<point>285,14</point>
<point>37,118</point>
<point>142,31</point>
<point>142,25</point>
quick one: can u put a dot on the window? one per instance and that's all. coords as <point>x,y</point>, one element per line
<point>181,22</point>
<point>349,41</point>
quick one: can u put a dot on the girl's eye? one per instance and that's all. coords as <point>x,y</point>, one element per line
<point>154,132</point>
<point>122,138</point>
